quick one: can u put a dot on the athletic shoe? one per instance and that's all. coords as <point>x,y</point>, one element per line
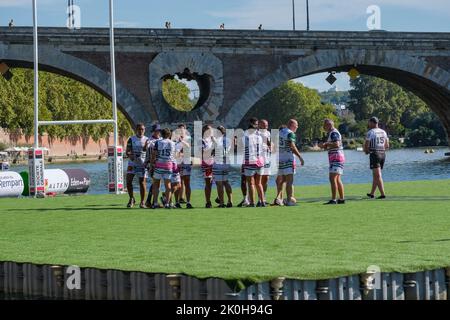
<point>217,200</point>
<point>331,202</point>
<point>131,203</point>
<point>381,197</point>
<point>156,206</point>
<point>182,201</point>
<point>243,203</point>
<point>178,205</point>
<point>371,196</point>
<point>167,206</point>
<point>229,205</point>
<point>278,202</point>
<point>222,206</point>
<point>208,205</point>
<point>341,201</point>
<point>290,204</point>
<point>189,206</point>
<point>142,206</point>
<point>261,204</point>
<point>251,205</point>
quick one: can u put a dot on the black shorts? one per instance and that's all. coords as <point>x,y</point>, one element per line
<point>377,160</point>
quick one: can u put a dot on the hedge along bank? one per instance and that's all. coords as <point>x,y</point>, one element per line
<point>57,181</point>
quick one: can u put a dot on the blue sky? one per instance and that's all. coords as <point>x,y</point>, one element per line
<point>396,15</point>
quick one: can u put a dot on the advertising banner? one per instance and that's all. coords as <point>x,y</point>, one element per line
<point>11,184</point>
<point>115,177</point>
<point>36,172</point>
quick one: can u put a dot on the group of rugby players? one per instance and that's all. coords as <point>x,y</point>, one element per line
<point>166,157</point>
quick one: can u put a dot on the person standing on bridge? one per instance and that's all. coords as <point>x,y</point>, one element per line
<point>377,142</point>
<point>136,151</point>
<point>336,159</point>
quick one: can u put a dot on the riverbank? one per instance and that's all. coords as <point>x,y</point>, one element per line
<point>405,233</point>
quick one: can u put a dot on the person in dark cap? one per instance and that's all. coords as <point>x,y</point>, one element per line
<point>156,135</point>
<point>377,142</point>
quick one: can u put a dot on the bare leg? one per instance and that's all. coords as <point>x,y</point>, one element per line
<point>280,182</point>
<point>155,187</point>
<point>333,183</point>
<point>251,189</point>
<point>340,188</point>
<point>208,185</point>
<point>220,191</point>
<point>181,187</point>
<point>244,186</point>
<point>187,187</point>
<point>142,189</point>
<point>168,194</point>
<point>374,181</point>
<point>130,178</point>
<point>176,191</point>
<point>380,183</point>
<point>265,182</point>
<point>259,188</point>
<point>229,191</point>
<point>289,186</point>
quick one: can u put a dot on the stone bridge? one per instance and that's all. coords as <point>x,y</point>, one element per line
<point>233,68</point>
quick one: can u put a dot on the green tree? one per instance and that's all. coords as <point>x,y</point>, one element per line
<point>294,101</point>
<point>176,94</point>
<point>395,107</point>
<point>60,98</point>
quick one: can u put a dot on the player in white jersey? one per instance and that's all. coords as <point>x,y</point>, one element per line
<point>377,142</point>
<point>286,163</point>
<point>267,152</point>
<point>336,160</point>
<point>163,160</point>
<point>222,148</point>
<point>207,162</point>
<point>156,135</point>
<point>183,142</point>
<point>136,151</point>
<point>254,163</point>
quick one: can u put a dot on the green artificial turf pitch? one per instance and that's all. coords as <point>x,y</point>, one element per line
<point>408,232</point>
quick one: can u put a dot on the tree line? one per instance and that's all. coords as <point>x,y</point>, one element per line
<point>60,98</point>
<point>401,112</point>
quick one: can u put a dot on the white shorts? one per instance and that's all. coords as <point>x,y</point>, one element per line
<point>176,178</point>
<point>286,168</point>
<point>250,172</point>
<point>337,168</point>
<point>186,170</point>
<point>266,170</point>
<point>141,172</point>
<point>220,172</point>
<point>162,176</point>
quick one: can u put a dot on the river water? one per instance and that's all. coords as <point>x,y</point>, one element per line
<point>401,165</point>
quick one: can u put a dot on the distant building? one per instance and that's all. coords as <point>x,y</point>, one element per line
<point>333,89</point>
<point>341,109</point>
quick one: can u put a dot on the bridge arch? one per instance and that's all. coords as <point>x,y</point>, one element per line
<point>428,81</point>
<point>55,61</point>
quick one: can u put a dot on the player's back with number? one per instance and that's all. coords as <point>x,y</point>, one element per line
<point>378,140</point>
